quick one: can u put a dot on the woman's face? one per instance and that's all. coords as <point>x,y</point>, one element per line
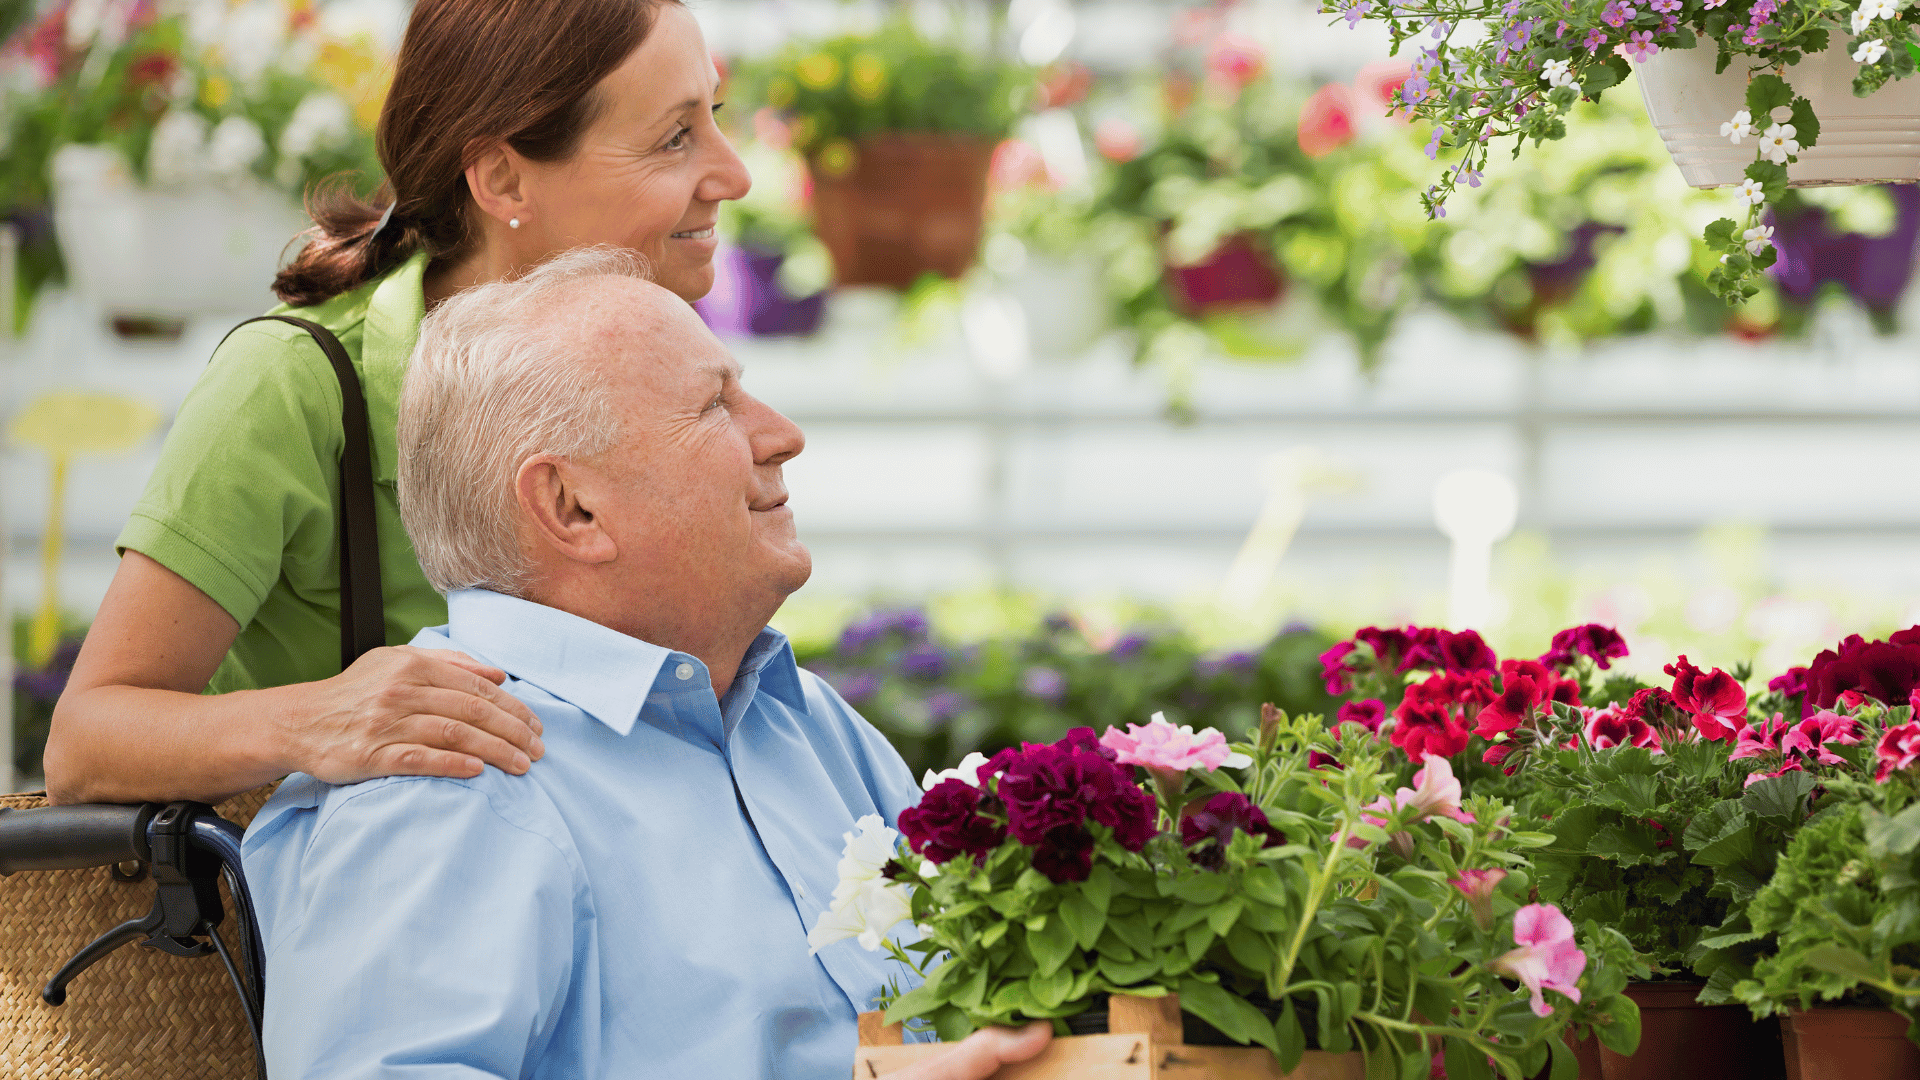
<point>652,169</point>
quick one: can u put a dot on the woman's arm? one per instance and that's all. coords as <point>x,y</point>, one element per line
<point>134,727</point>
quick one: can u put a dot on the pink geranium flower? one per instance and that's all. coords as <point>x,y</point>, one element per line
<point>1547,957</point>
<point>1899,748</point>
<point>1160,745</point>
<point>1717,702</point>
<point>1809,737</point>
<point>1615,727</point>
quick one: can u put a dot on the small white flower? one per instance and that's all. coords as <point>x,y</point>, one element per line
<point>1759,238</point>
<point>1870,52</point>
<point>865,905</point>
<point>1860,21</point>
<point>1740,127</point>
<point>968,771</point>
<point>235,145</point>
<point>1778,145</point>
<point>1881,9</point>
<point>1752,191</point>
<point>178,151</point>
<point>1558,73</point>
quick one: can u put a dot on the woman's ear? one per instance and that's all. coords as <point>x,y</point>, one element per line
<point>497,180</point>
<point>555,496</point>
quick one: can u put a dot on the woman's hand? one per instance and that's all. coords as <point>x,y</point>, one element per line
<point>133,725</point>
<point>981,1054</point>
<point>413,712</point>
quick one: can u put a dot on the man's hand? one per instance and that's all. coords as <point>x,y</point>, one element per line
<point>981,1054</point>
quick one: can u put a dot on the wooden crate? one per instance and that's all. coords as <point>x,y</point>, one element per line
<point>1143,1043</point>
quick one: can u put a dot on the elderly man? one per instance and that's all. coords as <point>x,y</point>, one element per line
<point>585,477</point>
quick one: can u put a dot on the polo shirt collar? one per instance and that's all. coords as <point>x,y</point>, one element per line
<point>392,326</point>
<point>601,671</point>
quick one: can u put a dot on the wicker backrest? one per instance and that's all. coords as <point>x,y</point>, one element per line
<point>139,1014</point>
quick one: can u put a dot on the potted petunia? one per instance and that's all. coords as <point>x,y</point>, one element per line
<point>898,132</point>
<point>1290,915</point>
<point>1742,91</point>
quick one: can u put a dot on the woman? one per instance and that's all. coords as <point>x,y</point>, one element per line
<point>514,129</point>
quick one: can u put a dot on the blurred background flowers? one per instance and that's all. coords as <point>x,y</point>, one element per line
<point>1129,360</point>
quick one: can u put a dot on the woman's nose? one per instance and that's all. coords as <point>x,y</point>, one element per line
<point>726,176</point>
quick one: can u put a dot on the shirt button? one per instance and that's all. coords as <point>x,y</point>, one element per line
<point>683,672</point>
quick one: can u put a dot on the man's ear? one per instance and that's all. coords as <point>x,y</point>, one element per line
<point>496,179</point>
<point>555,496</point>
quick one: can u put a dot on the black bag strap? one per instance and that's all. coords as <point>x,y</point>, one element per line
<point>362,608</point>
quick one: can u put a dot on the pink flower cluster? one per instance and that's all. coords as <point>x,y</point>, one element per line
<point>1160,745</point>
<point>1794,745</point>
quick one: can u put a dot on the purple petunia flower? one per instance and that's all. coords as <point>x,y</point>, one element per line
<point>1044,683</point>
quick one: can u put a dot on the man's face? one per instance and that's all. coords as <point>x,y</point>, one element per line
<point>692,493</point>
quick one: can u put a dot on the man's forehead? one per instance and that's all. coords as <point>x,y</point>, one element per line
<point>616,316</point>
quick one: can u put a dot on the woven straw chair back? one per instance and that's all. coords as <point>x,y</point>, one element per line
<point>138,1014</point>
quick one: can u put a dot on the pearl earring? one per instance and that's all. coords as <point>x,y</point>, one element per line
<point>513,223</point>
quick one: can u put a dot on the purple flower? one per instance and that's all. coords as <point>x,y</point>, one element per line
<point>1414,89</point>
<point>1665,6</point>
<point>1222,816</point>
<point>924,661</point>
<point>1596,37</point>
<point>1358,12</point>
<point>1617,13</point>
<point>858,687</point>
<point>1561,30</point>
<point>1057,622</point>
<point>944,705</point>
<point>1129,646</point>
<point>1044,683</point>
<point>1051,792</point>
<point>948,822</point>
<point>1234,662</point>
<point>1639,47</point>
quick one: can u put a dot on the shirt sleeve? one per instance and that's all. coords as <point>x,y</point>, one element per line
<point>245,479</point>
<point>428,937</point>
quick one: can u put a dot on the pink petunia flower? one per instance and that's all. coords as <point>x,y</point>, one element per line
<point>1160,745</point>
<point>1478,887</point>
<point>1547,957</point>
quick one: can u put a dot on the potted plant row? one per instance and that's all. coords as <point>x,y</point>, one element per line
<point>1311,918</point>
<point>1749,846</point>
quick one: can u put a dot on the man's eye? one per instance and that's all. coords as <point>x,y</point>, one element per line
<point>715,403</point>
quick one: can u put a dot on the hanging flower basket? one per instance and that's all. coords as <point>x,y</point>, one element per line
<point>1238,276</point>
<point>895,206</point>
<point>1869,140</point>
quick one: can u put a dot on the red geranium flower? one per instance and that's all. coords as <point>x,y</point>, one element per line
<point>1615,727</point>
<point>1367,713</point>
<point>1899,748</point>
<point>1718,704</point>
<point>1887,671</point>
<point>1426,727</point>
<point>1601,644</point>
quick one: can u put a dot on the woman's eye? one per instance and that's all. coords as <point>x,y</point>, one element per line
<point>679,139</point>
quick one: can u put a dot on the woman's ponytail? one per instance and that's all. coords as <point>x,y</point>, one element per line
<point>345,249</point>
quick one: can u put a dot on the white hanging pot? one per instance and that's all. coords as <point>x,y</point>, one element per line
<point>1868,140</point>
<point>209,249</point>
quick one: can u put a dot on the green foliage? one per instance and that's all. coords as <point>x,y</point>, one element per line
<point>838,91</point>
<point>1346,936</point>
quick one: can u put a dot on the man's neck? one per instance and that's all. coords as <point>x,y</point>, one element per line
<point>717,638</point>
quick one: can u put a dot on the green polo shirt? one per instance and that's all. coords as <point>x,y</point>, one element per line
<point>243,501</point>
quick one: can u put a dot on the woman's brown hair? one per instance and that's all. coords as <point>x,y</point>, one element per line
<point>471,74</point>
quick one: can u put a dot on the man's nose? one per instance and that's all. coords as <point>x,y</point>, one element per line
<point>775,438</point>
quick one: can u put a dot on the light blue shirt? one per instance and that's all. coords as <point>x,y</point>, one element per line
<point>636,905</point>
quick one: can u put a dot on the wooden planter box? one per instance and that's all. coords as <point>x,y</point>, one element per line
<point>1143,1043</point>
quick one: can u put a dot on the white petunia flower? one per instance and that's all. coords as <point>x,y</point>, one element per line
<point>235,145</point>
<point>1870,52</point>
<point>1740,127</point>
<point>1759,238</point>
<point>968,770</point>
<point>178,152</point>
<point>1778,145</point>
<point>865,905</point>
<point>1752,191</point>
<point>1558,73</point>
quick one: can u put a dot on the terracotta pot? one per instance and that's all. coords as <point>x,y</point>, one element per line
<point>1238,275</point>
<point>912,203</point>
<point>1853,1044</point>
<point>1681,1038</point>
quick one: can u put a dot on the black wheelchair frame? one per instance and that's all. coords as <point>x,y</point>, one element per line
<point>187,848</point>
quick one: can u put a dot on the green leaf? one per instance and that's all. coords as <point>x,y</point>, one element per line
<point>1050,946</point>
<point>972,993</point>
<point>992,934</point>
<point>1718,820</point>
<point>1098,888</point>
<point>1599,77</point>
<point>1199,939</point>
<point>1806,126</point>
<point>1202,888</point>
<point>1840,960</point>
<point>951,1024</point>
<point>1720,234</point>
<point>1050,990</point>
<point>1628,843</point>
<point>1083,919</point>
<point>1133,929</point>
<point>1289,1038</point>
<point>1250,947</point>
<point>1732,847</point>
<point>1225,1010</point>
<point>1128,972</point>
<point>1466,1063</point>
<point>1263,884</point>
<point>1623,1035</point>
<point>1766,93</point>
<point>1896,835</point>
<point>1223,916</point>
<point>1566,1066</point>
<point>1781,796</point>
<point>918,1001</point>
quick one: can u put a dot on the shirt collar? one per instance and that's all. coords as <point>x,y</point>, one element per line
<point>601,671</point>
<point>393,325</point>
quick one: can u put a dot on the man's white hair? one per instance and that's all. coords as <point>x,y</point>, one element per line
<point>492,383</point>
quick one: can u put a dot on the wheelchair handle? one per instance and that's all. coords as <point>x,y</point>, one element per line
<point>73,837</point>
